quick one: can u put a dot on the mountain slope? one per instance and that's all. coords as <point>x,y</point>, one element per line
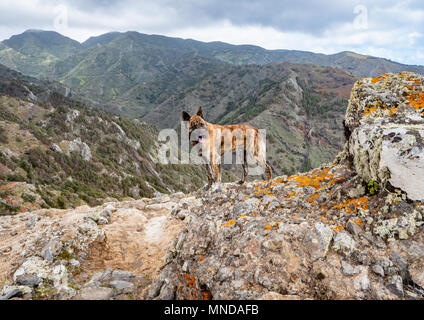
<point>33,51</point>
<point>58,152</point>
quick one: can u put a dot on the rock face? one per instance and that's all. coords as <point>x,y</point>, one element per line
<point>290,238</point>
<point>386,118</point>
<point>107,252</point>
<point>81,147</point>
<point>324,234</point>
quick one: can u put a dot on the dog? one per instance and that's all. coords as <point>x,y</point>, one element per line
<point>219,139</point>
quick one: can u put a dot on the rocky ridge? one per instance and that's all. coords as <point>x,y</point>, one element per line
<point>345,230</point>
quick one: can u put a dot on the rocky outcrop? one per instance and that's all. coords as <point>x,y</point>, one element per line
<point>386,118</point>
<point>299,236</point>
<point>108,252</point>
<point>81,148</point>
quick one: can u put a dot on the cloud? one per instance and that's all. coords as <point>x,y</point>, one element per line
<point>393,28</point>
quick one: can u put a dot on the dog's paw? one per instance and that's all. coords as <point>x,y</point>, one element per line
<point>241,182</point>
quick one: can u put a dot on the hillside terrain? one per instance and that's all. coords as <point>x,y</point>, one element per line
<point>56,151</point>
<point>349,229</point>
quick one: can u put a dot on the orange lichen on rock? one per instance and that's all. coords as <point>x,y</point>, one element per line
<point>312,199</point>
<point>229,223</point>
<point>319,179</point>
<point>288,195</point>
<point>416,100</point>
<point>337,228</point>
<point>375,80</point>
<point>352,206</point>
<point>369,110</point>
<point>416,96</point>
<point>392,112</point>
<point>191,280</point>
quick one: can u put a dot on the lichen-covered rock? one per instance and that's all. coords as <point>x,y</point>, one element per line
<point>36,270</point>
<point>386,119</point>
<point>416,271</point>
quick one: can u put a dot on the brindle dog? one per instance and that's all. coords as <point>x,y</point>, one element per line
<point>213,132</point>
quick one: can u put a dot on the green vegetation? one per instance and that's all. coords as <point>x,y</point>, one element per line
<point>372,187</point>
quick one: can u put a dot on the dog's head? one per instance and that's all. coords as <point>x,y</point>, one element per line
<point>197,127</point>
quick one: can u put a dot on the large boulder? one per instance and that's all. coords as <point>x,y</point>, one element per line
<point>385,118</point>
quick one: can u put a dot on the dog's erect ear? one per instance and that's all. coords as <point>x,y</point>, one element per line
<point>186,116</point>
<point>200,112</point>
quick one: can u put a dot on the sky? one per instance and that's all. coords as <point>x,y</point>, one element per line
<point>391,29</point>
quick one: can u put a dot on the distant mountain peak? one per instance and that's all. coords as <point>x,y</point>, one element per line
<point>34,31</point>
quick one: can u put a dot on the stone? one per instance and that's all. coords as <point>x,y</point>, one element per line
<point>9,292</point>
<point>35,270</point>
<point>54,147</point>
<point>387,132</point>
<point>343,242</point>
<point>101,277</point>
<point>95,293</point>
<point>102,221</point>
<point>353,228</point>
<point>66,293</point>
<point>75,263</point>
<point>318,241</point>
<point>167,292</point>
<point>47,254</point>
<point>178,195</point>
<point>155,289</point>
<point>277,296</point>
<point>395,285</point>
<point>122,275</point>
<point>356,192</point>
<point>348,269</point>
<point>80,147</point>
<point>378,270</point>
<point>52,249</point>
<point>100,218</point>
<point>30,280</point>
<point>122,285</point>
<point>361,282</point>
<point>182,214</point>
<point>416,271</point>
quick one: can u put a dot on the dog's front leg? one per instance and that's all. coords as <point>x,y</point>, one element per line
<point>209,173</point>
<point>216,168</point>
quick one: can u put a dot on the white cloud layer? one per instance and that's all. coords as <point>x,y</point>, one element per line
<point>388,28</point>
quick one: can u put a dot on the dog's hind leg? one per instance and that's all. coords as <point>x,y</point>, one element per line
<point>216,168</point>
<point>245,169</point>
<point>268,171</point>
